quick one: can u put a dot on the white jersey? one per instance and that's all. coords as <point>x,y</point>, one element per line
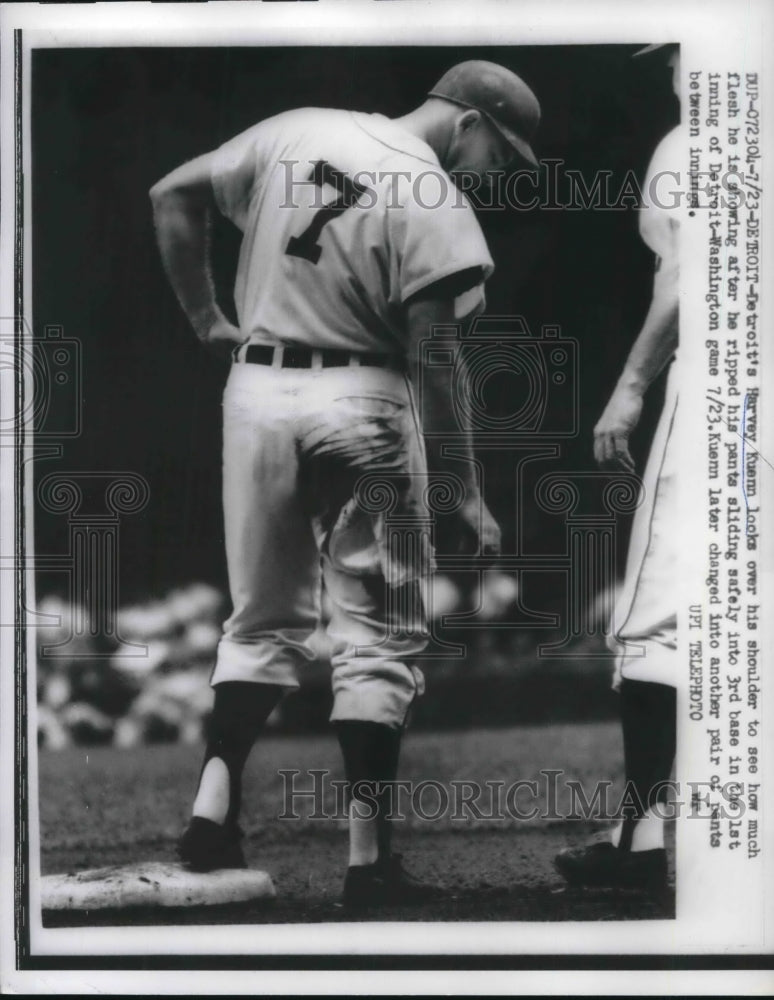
<point>345,217</point>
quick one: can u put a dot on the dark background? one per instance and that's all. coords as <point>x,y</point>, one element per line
<point>108,123</point>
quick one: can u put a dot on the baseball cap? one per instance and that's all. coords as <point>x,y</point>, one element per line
<point>500,95</point>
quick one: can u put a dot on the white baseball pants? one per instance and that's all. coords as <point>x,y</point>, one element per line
<point>645,616</point>
<point>296,444</point>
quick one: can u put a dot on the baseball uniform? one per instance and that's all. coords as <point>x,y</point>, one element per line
<point>345,216</point>
<point>643,629</point>
<point>355,241</point>
<point>645,618</point>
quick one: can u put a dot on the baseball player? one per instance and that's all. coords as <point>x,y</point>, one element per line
<point>355,242</point>
<point>645,621</point>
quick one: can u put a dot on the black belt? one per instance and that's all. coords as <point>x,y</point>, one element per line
<point>304,357</point>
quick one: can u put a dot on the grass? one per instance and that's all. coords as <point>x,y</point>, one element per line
<point>106,806</point>
<point>105,796</point>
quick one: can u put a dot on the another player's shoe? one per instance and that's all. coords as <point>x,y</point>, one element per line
<point>386,883</point>
<point>604,864</point>
<point>206,846</point>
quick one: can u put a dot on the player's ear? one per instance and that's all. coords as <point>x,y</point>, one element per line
<point>467,121</point>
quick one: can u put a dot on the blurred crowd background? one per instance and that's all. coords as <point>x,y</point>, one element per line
<point>151,684</point>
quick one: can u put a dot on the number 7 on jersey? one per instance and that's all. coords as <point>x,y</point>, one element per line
<point>306,245</point>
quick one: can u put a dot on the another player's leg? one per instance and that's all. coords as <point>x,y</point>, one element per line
<point>635,855</point>
<point>644,617</point>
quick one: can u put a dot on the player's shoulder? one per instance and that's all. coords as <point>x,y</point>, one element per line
<point>294,123</point>
<point>670,152</point>
<point>311,117</point>
<point>396,144</point>
<point>409,172</point>
<point>665,176</point>
<point>373,140</point>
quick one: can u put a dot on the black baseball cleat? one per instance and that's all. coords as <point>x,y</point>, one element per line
<point>605,865</point>
<point>206,846</point>
<point>386,883</point>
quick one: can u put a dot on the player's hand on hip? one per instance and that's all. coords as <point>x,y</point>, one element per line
<point>614,427</point>
<point>220,337</point>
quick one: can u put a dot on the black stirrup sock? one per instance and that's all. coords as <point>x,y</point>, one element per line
<point>371,752</point>
<point>649,722</point>
<point>238,716</point>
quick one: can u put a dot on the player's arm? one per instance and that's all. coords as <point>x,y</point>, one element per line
<point>183,206</point>
<point>654,346</point>
<point>478,529</point>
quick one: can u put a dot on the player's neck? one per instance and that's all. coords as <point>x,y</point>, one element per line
<point>431,122</point>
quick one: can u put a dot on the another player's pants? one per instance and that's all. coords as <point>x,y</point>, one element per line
<point>296,446</point>
<point>645,619</point>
